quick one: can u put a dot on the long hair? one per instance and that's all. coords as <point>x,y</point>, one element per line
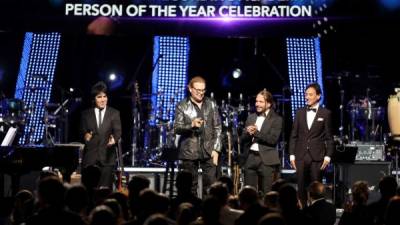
<point>267,97</point>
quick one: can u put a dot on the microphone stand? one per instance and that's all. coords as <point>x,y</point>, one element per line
<point>341,107</point>
<point>281,103</point>
<point>48,139</point>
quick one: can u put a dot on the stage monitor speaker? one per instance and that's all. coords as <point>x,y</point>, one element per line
<point>371,172</point>
<point>347,174</point>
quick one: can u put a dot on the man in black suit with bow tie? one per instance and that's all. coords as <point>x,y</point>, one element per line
<point>311,140</point>
<point>101,130</point>
<point>261,157</point>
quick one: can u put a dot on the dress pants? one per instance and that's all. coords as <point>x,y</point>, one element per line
<point>209,173</point>
<point>257,174</point>
<point>107,176</point>
<point>307,172</point>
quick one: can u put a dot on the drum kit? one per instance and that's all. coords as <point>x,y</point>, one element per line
<point>12,114</point>
<point>366,120</point>
<point>156,133</point>
<point>15,113</point>
<point>365,116</point>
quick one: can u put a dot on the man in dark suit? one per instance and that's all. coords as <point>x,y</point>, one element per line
<point>319,210</point>
<point>260,157</point>
<point>101,129</point>
<point>311,140</point>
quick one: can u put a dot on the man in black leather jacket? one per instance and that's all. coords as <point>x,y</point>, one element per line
<point>198,129</point>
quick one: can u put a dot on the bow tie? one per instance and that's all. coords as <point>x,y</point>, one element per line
<point>311,109</point>
<point>261,114</point>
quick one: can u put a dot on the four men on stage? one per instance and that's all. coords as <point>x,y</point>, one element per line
<point>198,128</point>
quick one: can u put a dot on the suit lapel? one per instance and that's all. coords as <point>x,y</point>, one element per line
<point>316,117</point>
<point>267,121</point>
<point>305,119</point>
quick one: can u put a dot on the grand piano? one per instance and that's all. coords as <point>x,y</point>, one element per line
<point>19,160</point>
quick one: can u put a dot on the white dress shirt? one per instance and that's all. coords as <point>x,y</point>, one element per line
<point>259,123</point>
<point>311,116</point>
<point>96,112</point>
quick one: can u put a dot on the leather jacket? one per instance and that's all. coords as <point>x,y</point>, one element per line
<point>192,141</point>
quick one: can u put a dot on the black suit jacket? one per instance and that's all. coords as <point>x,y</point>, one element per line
<point>96,149</point>
<point>318,140</point>
<point>321,212</point>
<point>267,138</point>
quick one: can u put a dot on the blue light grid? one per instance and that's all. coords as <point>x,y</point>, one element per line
<point>35,80</point>
<point>170,58</point>
<point>305,66</point>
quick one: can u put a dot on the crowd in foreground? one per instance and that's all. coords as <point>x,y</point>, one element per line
<point>56,203</point>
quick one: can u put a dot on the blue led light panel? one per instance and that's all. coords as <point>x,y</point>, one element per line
<point>305,66</point>
<point>35,80</point>
<point>169,78</point>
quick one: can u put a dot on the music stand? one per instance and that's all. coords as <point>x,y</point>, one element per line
<point>343,154</point>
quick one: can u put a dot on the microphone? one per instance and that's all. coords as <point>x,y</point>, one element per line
<point>88,131</point>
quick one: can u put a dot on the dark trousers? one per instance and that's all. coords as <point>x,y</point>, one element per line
<point>257,174</point>
<point>209,173</point>
<point>107,176</point>
<point>307,172</point>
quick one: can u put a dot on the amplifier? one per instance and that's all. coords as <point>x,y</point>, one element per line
<point>369,151</point>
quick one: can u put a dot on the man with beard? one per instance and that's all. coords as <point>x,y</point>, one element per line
<point>261,157</point>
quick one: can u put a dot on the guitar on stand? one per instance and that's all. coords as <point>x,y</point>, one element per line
<point>231,122</point>
<point>236,169</point>
<point>122,177</point>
